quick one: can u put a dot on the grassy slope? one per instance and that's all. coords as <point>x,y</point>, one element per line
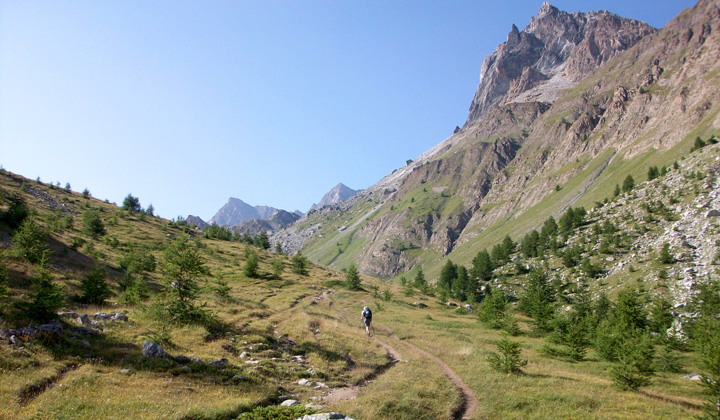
<point>264,311</point>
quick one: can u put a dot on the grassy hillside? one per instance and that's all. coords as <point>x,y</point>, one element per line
<point>275,330</point>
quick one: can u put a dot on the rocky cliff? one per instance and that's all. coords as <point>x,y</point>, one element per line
<point>555,51</point>
<point>533,147</point>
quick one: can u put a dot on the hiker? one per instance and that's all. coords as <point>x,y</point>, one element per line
<point>366,317</point>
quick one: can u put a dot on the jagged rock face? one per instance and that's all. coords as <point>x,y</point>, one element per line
<point>195,220</point>
<point>555,51</point>
<point>339,193</point>
<point>236,211</point>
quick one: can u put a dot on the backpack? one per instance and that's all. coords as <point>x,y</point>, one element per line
<point>367,314</point>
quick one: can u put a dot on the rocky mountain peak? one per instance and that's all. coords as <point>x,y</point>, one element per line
<point>553,53</point>
<point>236,211</point>
<point>547,9</point>
<point>339,193</point>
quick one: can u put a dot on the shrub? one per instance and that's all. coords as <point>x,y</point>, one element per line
<point>94,287</point>
<point>665,255</point>
<point>16,213</point>
<point>134,290</point>
<point>508,359</point>
<point>86,194</point>
<point>276,412</point>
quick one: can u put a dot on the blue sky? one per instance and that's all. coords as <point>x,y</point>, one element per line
<point>185,104</point>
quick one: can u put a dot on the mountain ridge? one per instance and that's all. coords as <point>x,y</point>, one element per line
<point>517,153</point>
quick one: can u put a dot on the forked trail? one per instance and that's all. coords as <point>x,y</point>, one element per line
<point>468,400</point>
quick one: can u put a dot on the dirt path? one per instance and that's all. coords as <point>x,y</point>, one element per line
<point>468,400</point>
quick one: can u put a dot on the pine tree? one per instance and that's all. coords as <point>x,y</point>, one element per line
<point>30,242</point>
<point>299,264</point>
<point>47,296</point>
<point>628,184</point>
<point>131,204</point>
<point>508,359</point>
<point>352,278</point>
<point>482,268</point>
<point>419,282</point>
<point>250,269</point>
<point>95,288</point>
<point>447,276</point>
<point>183,269</point>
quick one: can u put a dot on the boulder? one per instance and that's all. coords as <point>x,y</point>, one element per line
<point>126,371</point>
<point>288,403</point>
<point>154,350</point>
<point>693,377</point>
<point>219,363</point>
<point>712,213</point>
<point>84,319</point>
<point>420,305</point>
<point>324,416</point>
<point>304,382</point>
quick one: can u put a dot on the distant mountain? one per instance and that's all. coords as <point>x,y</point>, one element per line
<point>340,193</point>
<point>280,219</point>
<point>236,211</point>
<point>195,220</point>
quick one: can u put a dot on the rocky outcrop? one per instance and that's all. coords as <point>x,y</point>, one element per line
<point>554,52</point>
<point>339,193</point>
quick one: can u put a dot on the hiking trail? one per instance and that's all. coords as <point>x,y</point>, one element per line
<point>468,402</point>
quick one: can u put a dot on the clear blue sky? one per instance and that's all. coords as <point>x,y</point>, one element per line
<point>185,104</point>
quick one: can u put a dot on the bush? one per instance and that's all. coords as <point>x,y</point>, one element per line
<point>508,359</point>
<point>94,287</point>
<point>665,255</point>
<point>134,290</point>
<point>16,213</point>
